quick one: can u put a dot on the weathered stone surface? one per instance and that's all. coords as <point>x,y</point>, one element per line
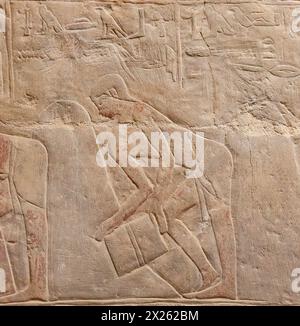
<point>71,230</point>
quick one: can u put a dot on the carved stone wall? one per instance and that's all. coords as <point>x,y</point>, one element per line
<point>71,231</point>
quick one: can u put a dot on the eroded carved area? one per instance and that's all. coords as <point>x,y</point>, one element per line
<point>70,70</point>
<point>23,222</point>
<point>184,49</point>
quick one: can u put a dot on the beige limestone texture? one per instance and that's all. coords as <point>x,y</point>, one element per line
<point>72,232</point>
